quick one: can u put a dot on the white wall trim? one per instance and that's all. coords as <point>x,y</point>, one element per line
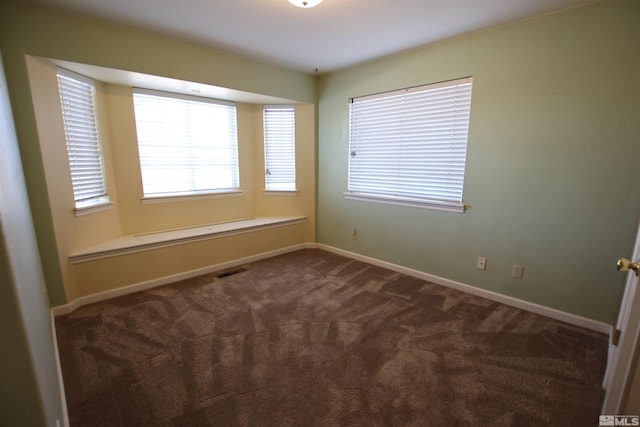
<point>101,296</point>
<point>552,313</point>
<point>56,354</point>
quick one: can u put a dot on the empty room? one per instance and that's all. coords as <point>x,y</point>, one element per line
<point>334,212</point>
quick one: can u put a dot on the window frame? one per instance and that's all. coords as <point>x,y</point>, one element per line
<point>408,117</point>
<point>198,193</point>
<point>279,138</point>
<point>69,81</point>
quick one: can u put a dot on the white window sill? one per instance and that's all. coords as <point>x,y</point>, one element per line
<point>280,192</point>
<point>98,207</point>
<point>161,239</point>
<point>188,197</point>
<point>425,204</point>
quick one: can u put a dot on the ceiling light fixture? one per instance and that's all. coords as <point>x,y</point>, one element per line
<point>306,4</point>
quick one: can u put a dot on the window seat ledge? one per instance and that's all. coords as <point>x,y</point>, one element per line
<point>147,241</point>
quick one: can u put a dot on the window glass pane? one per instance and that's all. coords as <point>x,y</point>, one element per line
<point>279,148</point>
<point>77,98</point>
<point>187,145</point>
<point>411,145</point>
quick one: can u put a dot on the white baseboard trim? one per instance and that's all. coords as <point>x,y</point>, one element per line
<point>136,287</point>
<point>552,313</point>
<point>63,395</point>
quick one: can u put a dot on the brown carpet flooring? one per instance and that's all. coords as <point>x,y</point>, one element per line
<point>315,339</point>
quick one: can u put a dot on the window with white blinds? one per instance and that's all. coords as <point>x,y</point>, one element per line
<point>410,146</point>
<point>77,99</point>
<point>188,145</point>
<point>279,148</point>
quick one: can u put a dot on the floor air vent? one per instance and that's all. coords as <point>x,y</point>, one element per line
<point>228,273</point>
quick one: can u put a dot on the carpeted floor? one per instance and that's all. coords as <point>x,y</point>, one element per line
<point>315,339</point>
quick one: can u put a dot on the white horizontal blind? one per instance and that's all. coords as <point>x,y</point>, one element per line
<point>279,148</point>
<point>411,145</point>
<point>187,145</point>
<point>77,98</point>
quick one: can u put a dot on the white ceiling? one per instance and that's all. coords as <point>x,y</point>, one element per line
<point>333,35</point>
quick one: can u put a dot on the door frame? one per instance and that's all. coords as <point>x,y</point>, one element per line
<point>622,357</point>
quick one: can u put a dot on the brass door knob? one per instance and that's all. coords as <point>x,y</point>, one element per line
<point>624,264</point>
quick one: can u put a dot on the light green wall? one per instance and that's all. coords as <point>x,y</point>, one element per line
<point>552,174</point>
<point>39,31</point>
<point>29,393</point>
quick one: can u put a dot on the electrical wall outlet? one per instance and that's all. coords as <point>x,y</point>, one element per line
<point>518,271</point>
<point>482,263</point>
<point>354,233</point>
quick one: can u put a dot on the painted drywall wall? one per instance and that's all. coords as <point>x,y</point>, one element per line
<point>551,176</point>
<point>39,31</point>
<point>29,393</point>
<point>302,202</point>
<point>72,232</point>
<point>137,217</point>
